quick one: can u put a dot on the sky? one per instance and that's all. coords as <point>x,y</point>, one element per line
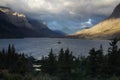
<point>68,16</point>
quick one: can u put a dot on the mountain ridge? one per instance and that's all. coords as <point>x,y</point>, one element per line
<point>17,25</point>
<point>107,29</point>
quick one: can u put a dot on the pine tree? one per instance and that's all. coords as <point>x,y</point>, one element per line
<point>13,49</point>
<point>1,60</point>
<point>113,57</point>
<point>92,63</point>
<point>61,56</point>
<point>95,62</point>
<point>61,61</point>
<point>100,61</point>
<point>43,67</point>
<point>51,63</point>
<point>13,61</point>
<point>67,62</point>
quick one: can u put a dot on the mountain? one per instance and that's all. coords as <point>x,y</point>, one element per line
<point>116,12</point>
<point>43,30</point>
<point>17,25</point>
<point>107,29</point>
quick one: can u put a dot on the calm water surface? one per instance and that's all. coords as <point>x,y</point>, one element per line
<point>38,47</point>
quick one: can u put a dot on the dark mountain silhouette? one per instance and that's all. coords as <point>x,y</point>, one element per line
<point>116,12</point>
<point>16,25</point>
<point>41,28</point>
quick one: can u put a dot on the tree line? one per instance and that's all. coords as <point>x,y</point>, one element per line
<point>65,65</point>
<point>97,64</point>
<point>15,62</point>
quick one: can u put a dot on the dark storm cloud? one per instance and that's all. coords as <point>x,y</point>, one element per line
<point>71,7</point>
<point>63,14</point>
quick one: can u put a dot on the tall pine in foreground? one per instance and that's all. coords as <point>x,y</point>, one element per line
<point>14,62</point>
<point>61,61</point>
<point>114,58</point>
<point>92,62</point>
<point>52,65</point>
<point>94,66</point>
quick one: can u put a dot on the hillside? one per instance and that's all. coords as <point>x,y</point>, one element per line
<point>17,25</point>
<point>107,29</point>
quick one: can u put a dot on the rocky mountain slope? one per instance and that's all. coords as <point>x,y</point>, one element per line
<point>17,25</point>
<point>43,30</point>
<point>107,29</point>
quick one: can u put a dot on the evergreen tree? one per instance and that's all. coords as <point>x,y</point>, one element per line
<point>13,61</point>
<point>51,63</point>
<point>1,60</point>
<point>67,65</point>
<point>95,62</point>
<point>100,61</point>
<point>61,61</point>
<point>13,49</point>
<point>92,63</point>
<point>61,56</point>
<point>9,49</point>
<point>113,57</point>
<point>44,62</point>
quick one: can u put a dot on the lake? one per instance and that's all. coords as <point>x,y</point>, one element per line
<point>38,47</point>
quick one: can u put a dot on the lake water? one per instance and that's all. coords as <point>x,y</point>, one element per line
<point>38,47</point>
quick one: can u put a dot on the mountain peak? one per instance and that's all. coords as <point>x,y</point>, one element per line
<point>5,9</point>
<point>16,25</point>
<point>107,29</point>
<point>9,11</point>
<point>116,12</point>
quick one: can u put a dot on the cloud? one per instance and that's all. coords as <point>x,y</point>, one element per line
<point>64,15</point>
<point>71,7</point>
<point>87,24</point>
